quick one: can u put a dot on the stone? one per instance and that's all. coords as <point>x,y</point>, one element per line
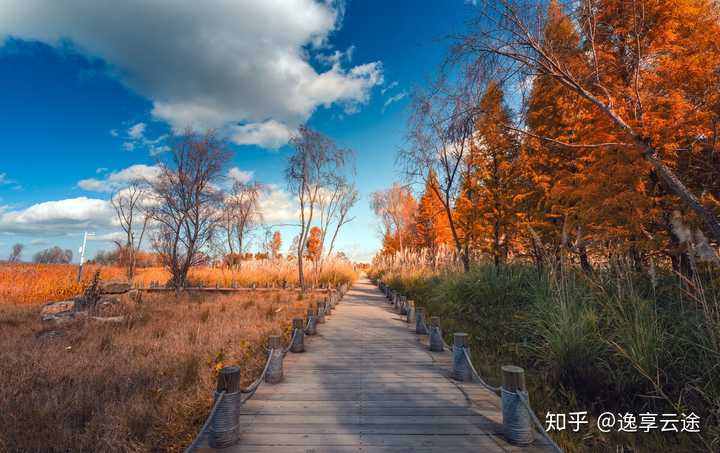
<point>114,287</point>
<point>53,308</point>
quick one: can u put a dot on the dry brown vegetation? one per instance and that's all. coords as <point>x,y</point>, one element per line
<point>143,385</point>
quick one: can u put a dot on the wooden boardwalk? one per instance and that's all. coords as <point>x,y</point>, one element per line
<point>367,384</point>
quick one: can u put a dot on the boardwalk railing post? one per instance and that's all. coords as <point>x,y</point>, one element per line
<point>411,312</point>
<point>224,426</point>
<point>298,344</point>
<point>312,322</point>
<point>461,368</point>
<point>328,306</point>
<point>403,305</point>
<point>420,327</point>
<point>516,417</point>
<point>436,341</point>
<point>321,313</point>
<point>275,369</point>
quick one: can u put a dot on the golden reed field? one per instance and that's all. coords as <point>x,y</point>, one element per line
<point>26,283</point>
<point>143,384</point>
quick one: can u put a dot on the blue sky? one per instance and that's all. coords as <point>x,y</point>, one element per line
<point>89,92</point>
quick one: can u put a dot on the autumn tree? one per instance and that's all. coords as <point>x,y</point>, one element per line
<point>396,208</point>
<point>275,244</point>
<point>313,245</point>
<point>487,206</point>
<point>644,73</point>
<point>432,229</point>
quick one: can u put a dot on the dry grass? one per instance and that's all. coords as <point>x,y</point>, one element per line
<point>144,385</point>
<point>40,283</point>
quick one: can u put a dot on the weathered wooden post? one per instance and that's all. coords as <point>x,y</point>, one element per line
<point>420,327</point>
<point>321,312</point>
<point>328,306</point>
<point>461,367</point>
<point>275,369</point>
<point>298,344</point>
<point>436,341</point>
<point>411,312</point>
<point>312,322</point>
<point>403,305</point>
<point>516,417</point>
<point>224,426</point>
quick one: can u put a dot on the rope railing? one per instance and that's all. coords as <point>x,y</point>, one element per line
<point>222,422</point>
<point>516,423</point>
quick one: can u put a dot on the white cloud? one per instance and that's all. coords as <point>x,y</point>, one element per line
<point>269,134</point>
<point>241,176</point>
<point>394,98</point>
<point>53,218</point>
<point>118,179</point>
<point>137,131</point>
<point>101,170</point>
<point>5,180</point>
<point>278,206</point>
<point>209,64</point>
<point>114,132</point>
<point>157,150</point>
<point>389,87</point>
<point>129,146</point>
<point>39,242</point>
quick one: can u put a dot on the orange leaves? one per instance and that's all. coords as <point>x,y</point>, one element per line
<point>313,246</point>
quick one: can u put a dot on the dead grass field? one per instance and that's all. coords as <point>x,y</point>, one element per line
<point>143,385</point>
<point>39,283</point>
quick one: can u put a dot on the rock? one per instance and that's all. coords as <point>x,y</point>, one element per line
<point>49,334</point>
<point>54,308</point>
<point>109,319</point>
<point>63,317</point>
<point>114,287</point>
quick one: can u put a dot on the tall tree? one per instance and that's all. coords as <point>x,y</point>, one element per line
<point>188,203</point>
<point>487,205</point>
<point>133,213</point>
<point>241,214</point>
<point>317,160</point>
<point>432,229</point>
<point>396,208</point>
<point>649,72</point>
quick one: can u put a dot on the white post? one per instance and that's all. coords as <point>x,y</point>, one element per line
<point>82,254</point>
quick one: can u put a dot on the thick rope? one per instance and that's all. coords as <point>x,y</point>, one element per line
<point>476,375</point>
<point>204,428</point>
<point>538,425</point>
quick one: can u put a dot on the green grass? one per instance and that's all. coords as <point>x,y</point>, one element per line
<point>614,341</point>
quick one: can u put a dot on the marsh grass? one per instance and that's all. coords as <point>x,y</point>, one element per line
<point>144,385</point>
<point>616,340</point>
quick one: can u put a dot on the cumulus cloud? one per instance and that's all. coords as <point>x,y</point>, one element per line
<point>241,176</point>
<point>54,218</point>
<point>269,134</point>
<point>278,206</point>
<point>120,178</point>
<point>210,64</point>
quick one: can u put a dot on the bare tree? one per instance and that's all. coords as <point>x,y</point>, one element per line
<point>316,161</point>
<point>16,253</point>
<point>337,198</point>
<point>241,214</point>
<point>53,255</point>
<point>133,213</point>
<point>509,34</point>
<point>188,207</point>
